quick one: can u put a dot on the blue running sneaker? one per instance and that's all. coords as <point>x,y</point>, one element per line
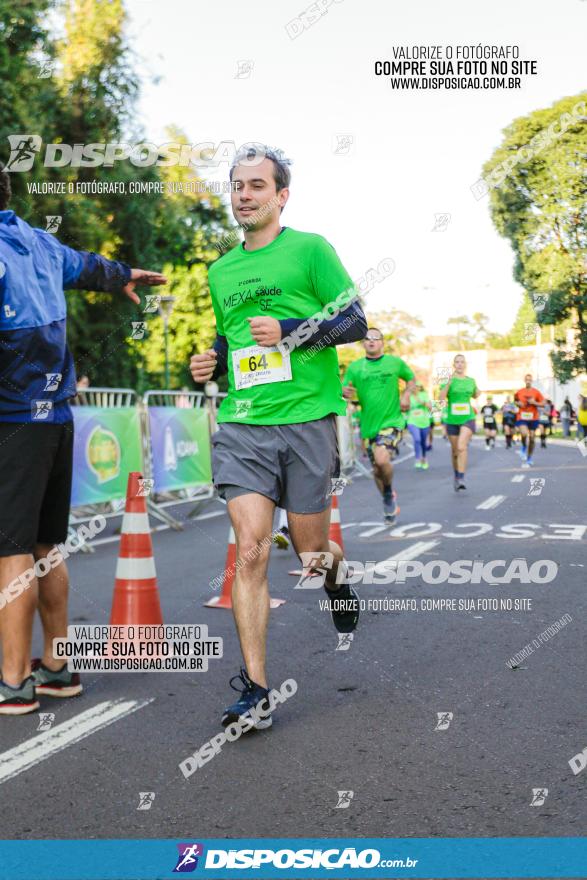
<point>251,695</point>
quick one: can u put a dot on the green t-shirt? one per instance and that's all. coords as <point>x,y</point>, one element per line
<point>294,276</point>
<point>459,400</point>
<point>376,381</point>
<point>419,413</point>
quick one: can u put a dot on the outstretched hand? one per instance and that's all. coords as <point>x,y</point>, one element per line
<point>142,276</point>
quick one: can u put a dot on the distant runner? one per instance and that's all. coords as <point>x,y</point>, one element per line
<point>374,382</point>
<point>528,400</point>
<point>489,424</point>
<point>418,419</point>
<point>509,413</point>
<point>460,418</point>
<point>544,419</point>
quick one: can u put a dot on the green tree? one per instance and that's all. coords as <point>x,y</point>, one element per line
<point>539,203</point>
<point>82,89</point>
<point>462,338</point>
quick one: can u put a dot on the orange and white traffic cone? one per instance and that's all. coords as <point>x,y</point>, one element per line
<point>335,531</point>
<point>224,600</point>
<point>136,597</point>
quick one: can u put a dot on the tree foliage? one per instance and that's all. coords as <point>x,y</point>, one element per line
<point>539,203</point>
<point>81,88</point>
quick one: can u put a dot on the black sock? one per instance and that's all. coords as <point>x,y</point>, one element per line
<point>341,589</point>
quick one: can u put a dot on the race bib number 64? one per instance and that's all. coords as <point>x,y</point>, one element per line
<point>257,365</point>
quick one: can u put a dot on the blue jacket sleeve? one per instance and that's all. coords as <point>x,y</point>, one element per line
<point>221,348</point>
<point>349,325</point>
<point>84,270</point>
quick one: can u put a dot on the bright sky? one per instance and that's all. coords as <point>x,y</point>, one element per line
<point>415,154</point>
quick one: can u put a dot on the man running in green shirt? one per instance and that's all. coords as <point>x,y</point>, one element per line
<point>374,382</point>
<point>274,295</point>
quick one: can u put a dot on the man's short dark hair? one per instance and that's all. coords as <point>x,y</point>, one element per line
<point>281,172</point>
<point>5,189</point>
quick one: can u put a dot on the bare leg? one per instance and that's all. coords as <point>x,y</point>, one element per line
<point>454,444</point>
<point>53,593</point>
<point>383,468</point>
<point>531,444</point>
<point>524,436</point>
<point>309,534</point>
<point>463,439</point>
<point>252,519</point>
<point>16,621</point>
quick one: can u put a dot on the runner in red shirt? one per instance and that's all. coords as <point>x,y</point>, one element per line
<point>528,400</point>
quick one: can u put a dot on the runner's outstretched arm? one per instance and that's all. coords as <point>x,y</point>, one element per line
<point>85,270</point>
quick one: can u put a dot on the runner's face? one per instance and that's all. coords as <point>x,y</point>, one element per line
<point>373,343</point>
<point>254,197</point>
<point>460,365</point>
<point>528,381</point>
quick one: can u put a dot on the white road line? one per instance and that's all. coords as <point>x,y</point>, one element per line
<point>373,531</point>
<point>518,478</point>
<point>33,751</point>
<point>406,555</point>
<point>491,502</point>
<point>403,457</point>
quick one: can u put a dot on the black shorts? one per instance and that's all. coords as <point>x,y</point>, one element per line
<point>455,430</point>
<point>390,438</point>
<point>35,485</point>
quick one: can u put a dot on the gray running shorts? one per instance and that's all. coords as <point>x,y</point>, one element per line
<point>294,465</point>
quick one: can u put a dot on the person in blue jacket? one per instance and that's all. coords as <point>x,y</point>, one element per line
<point>37,380</point>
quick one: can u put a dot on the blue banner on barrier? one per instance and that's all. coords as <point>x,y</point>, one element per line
<point>180,447</point>
<point>510,857</point>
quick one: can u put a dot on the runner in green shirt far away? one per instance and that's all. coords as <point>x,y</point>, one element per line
<point>460,417</point>
<point>374,382</point>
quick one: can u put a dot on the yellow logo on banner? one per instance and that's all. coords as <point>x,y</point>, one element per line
<point>103,454</point>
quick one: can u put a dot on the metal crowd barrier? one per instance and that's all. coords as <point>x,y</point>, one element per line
<point>105,397</point>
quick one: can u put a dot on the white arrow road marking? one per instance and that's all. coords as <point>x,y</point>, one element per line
<point>518,478</point>
<point>33,751</point>
<point>406,555</point>
<point>491,502</point>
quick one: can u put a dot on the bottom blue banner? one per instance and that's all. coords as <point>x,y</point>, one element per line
<point>505,857</point>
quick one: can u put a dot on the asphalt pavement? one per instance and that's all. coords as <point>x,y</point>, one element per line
<point>420,722</point>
